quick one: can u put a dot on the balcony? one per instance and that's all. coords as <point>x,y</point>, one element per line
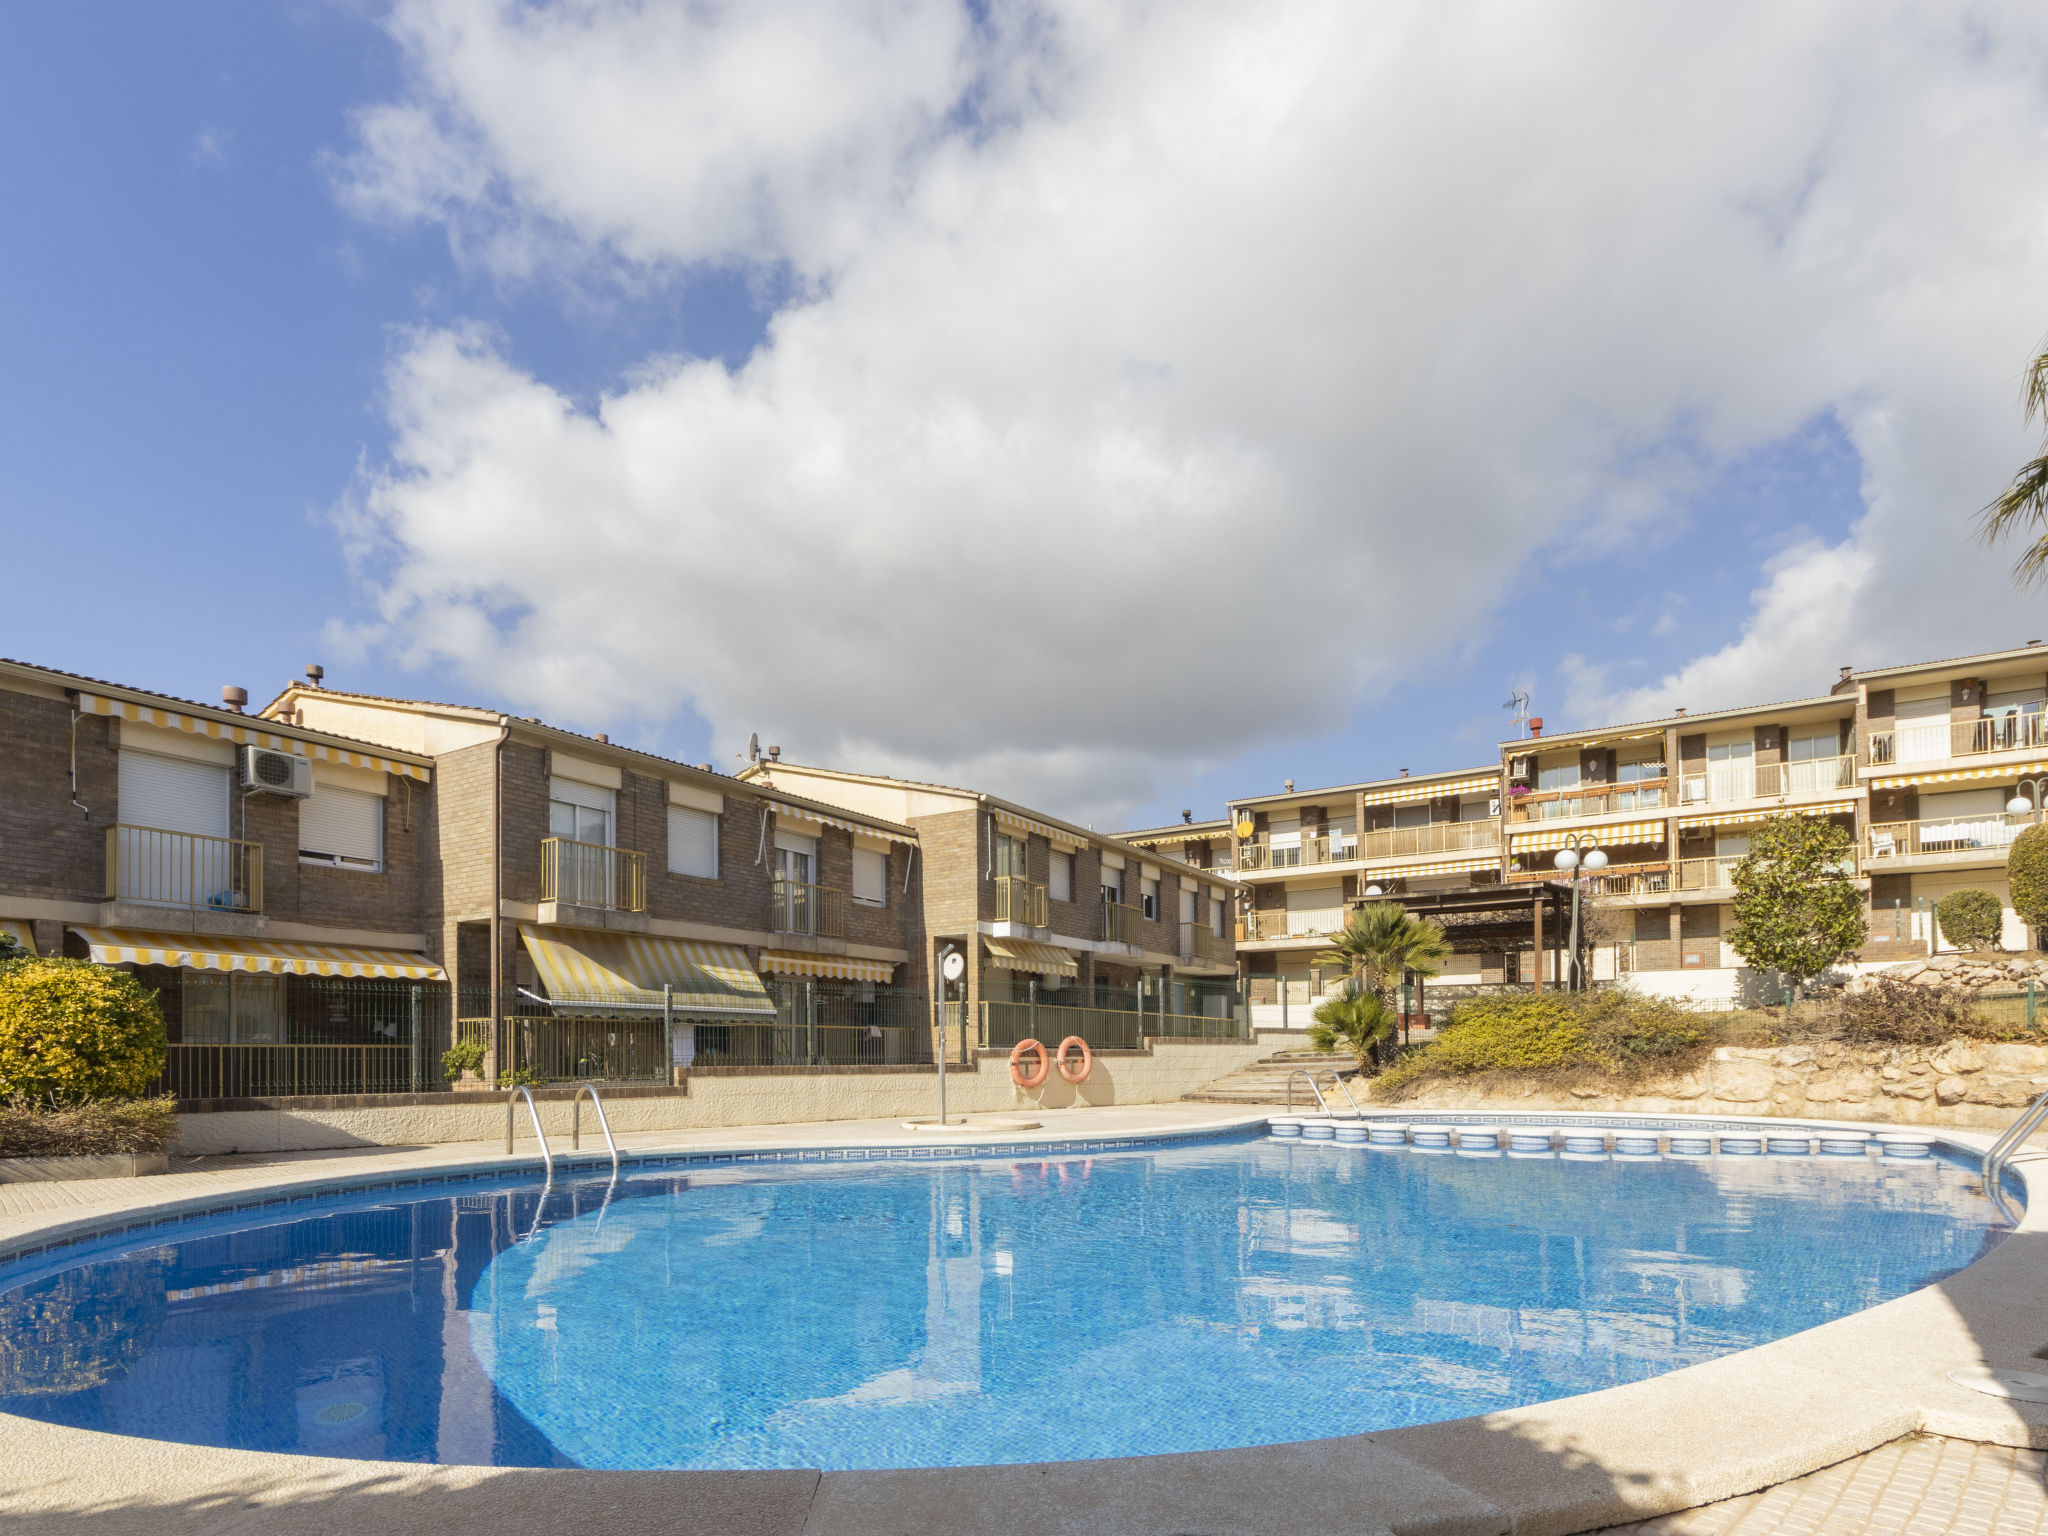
<point>1119,923</point>
<point>1927,741</point>
<point>1956,839</point>
<point>592,875</point>
<point>1571,804</point>
<point>1647,879</point>
<point>1279,923</point>
<point>1020,901</point>
<point>1707,874</point>
<point>1437,837</point>
<point>1770,781</point>
<point>1200,942</point>
<point>155,868</point>
<point>1307,853</point>
<point>795,906</point>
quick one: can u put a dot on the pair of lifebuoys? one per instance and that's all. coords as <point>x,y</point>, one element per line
<point>1046,1062</point>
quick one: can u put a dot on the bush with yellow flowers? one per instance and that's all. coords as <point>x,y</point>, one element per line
<point>71,1031</point>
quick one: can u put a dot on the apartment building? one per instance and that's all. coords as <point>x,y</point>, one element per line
<point>1050,915</point>
<point>1946,751</point>
<point>269,879</point>
<point>595,901</point>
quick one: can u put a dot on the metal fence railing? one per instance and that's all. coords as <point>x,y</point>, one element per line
<point>1112,1029</point>
<point>183,869</point>
<point>248,1036</point>
<point>271,1071</point>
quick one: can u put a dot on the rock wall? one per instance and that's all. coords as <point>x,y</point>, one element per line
<point>1964,1084</point>
<point>1979,971</point>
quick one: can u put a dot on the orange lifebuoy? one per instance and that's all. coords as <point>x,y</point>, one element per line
<point>1087,1060</point>
<point>1032,1079</point>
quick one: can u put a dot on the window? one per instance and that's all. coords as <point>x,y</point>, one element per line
<point>1112,885</point>
<point>173,794</point>
<point>1731,751</point>
<point>580,812</point>
<point>1148,898</point>
<point>344,827</point>
<point>796,856</point>
<point>692,842</point>
<point>1187,905</point>
<point>1216,916</point>
<point>1563,776</point>
<point>871,877</point>
<point>1640,769</point>
<point>1062,873</point>
<point>1010,858</point>
<point>1411,815</point>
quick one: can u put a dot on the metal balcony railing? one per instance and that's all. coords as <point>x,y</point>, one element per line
<point>1770,781</point>
<point>1279,923</point>
<point>1437,837</point>
<point>592,875</point>
<point>1119,923</point>
<point>1569,804</point>
<point>794,906</point>
<point>1020,901</point>
<point>1198,941</point>
<point>1645,879</point>
<point>183,869</point>
<point>1925,741</point>
<point>1961,838</point>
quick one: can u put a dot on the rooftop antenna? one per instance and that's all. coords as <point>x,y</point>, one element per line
<point>1518,701</point>
<point>753,746</point>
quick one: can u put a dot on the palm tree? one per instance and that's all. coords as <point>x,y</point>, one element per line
<point>2024,503</point>
<point>1382,943</point>
<point>1355,1020</point>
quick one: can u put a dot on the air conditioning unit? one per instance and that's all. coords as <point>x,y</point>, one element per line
<point>1522,769</point>
<point>269,772</point>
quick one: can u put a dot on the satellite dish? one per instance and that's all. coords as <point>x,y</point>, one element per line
<point>1245,827</point>
<point>954,966</point>
<point>753,746</point>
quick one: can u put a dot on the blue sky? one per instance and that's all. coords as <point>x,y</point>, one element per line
<point>201,330</point>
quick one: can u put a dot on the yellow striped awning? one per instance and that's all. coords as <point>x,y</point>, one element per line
<point>613,970</point>
<point>1023,955</point>
<point>783,962</point>
<point>200,952</point>
<point>1958,775</point>
<point>805,813</point>
<point>243,736</point>
<point>1589,837</point>
<point>1423,789</point>
<point>1017,822</point>
<point>1433,867</point>
<point>1765,813</point>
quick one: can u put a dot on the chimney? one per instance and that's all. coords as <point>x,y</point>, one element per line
<point>1845,673</point>
<point>314,673</point>
<point>234,697</point>
<point>775,754</point>
<point>1679,712</point>
<point>1535,725</point>
<point>1404,773</point>
<point>1289,783</point>
<point>1187,818</point>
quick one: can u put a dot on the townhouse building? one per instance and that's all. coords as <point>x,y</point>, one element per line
<point>1056,921</point>
<point>270,880</point>
<point>610,912</point>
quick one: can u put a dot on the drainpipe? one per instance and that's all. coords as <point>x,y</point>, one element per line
<point>498,1030</point>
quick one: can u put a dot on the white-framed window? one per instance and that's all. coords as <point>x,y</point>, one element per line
<point>1112,885</point>
<point>1061,876</point>
<point>870,877</point>
<point>692,842</point>
<point>796,857</point>
<point>1813,745</point>
<point>173,794</point>
<point>1011,857</point>
<point>1187,905</point>
<point>1148,898</point>
<point>580,812</point>
<point>1218,914</point>
<point>342,827</point>
<point>1558,776</point>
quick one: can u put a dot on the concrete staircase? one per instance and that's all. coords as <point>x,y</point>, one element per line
<point>1265,1082</point>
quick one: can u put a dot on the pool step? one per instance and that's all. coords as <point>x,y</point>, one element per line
<point>1265,1082</point>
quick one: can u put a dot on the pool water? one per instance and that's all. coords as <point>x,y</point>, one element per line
<point>1172,1298</point>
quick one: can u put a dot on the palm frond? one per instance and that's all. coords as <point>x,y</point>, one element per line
<point>2023,505</point>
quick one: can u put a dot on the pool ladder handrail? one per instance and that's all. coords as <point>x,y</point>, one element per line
<point>1322,1103</point>
<point>2001,1152</point>
<point>533,1111</point>
<point>576,1123</point>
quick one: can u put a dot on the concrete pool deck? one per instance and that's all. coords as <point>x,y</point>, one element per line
<point>1689,1438</point>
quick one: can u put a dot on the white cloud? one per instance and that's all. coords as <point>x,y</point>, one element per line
<point>1140,357</point>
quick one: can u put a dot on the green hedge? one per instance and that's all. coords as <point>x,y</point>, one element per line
<point>1610,1032</point>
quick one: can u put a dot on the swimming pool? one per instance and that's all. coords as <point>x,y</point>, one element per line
<point>1190,1296</point>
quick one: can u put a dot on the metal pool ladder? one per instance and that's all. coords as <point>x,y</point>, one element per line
<point>533,1112</point>
<point>2002,1150</point>
<point>576,1123</point>
<point>1321,1103</point>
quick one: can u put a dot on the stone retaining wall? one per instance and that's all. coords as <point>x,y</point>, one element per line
<point>1964,1085</point>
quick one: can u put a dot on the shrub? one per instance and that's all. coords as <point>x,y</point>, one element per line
<point>11,947</point>
<point>2026,875</point>
<point>1971,919</point>
<point>1797,911</point>
<point>91,1129</point>
<point>71,1030</point>
<point>1609,1033</point>
<point>1894,1012</point>
<point>464,1056</point>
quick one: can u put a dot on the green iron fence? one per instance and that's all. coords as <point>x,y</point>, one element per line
<point>272,1036</point>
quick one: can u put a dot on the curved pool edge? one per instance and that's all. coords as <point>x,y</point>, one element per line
<point>1688,1437</point>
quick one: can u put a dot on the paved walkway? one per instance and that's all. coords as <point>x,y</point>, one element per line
<point>1918,1486</point>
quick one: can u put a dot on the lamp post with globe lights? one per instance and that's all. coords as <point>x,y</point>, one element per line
<point>1578,856</point>
<point>2027,796</point>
